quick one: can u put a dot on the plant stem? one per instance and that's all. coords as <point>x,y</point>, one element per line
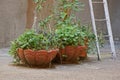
<point>68,11</point>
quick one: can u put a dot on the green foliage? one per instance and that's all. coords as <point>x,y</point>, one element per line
<point>64,12</point>
<point>53,44</point>
<point>36,1</point>
<point>68,31</point>
<point>13,51</point>
<point>39,4</point>
<point>44,25</point>
<point>88,33</point>
<point>69,35</point>
<point>89,37</point>
<point>101,39</point>
<point>91,40</point>
<point>32,40</point>
<point>13,48</point>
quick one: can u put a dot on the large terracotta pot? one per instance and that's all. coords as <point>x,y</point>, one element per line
<point>41,58</point>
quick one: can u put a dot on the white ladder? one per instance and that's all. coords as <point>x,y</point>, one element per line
<point>107,19</point>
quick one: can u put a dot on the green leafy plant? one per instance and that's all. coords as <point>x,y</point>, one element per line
<point>68,31</point>
<point>90,38</point>
<point>13,51</point>
<point>32,40</point>
<point>69,35</point>
<point>64,12</point>
<point>44,25</point>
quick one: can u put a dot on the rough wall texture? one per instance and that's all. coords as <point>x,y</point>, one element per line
<point>12,20</point>
<point>46,11</point>
<point>114,8</point>
<point>13,17</point>
<point>84,14</point>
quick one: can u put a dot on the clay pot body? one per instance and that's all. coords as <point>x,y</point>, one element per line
<point>68,54</point>
<point>71,54</point>
<point>82,50</point>
<point>37,58</point>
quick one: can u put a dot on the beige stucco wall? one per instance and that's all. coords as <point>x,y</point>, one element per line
<point>12,20</point>
<point>114,8</point>
<point>84,14</point>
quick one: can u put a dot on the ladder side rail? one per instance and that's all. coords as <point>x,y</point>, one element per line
<point>94,27</point>
<point>109,28</point>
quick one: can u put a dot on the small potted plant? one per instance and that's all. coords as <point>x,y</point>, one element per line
<point>34,49</point>
<point>68,33</point>
<point>69,39</point>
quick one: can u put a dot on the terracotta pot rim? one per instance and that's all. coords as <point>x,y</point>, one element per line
<point>40,50</point>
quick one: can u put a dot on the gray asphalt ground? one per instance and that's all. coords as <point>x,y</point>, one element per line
<point>90,69</point>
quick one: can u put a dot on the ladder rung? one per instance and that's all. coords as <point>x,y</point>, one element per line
<point>106,36</point>
<point>96,2</point>
<point>100,19</point>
